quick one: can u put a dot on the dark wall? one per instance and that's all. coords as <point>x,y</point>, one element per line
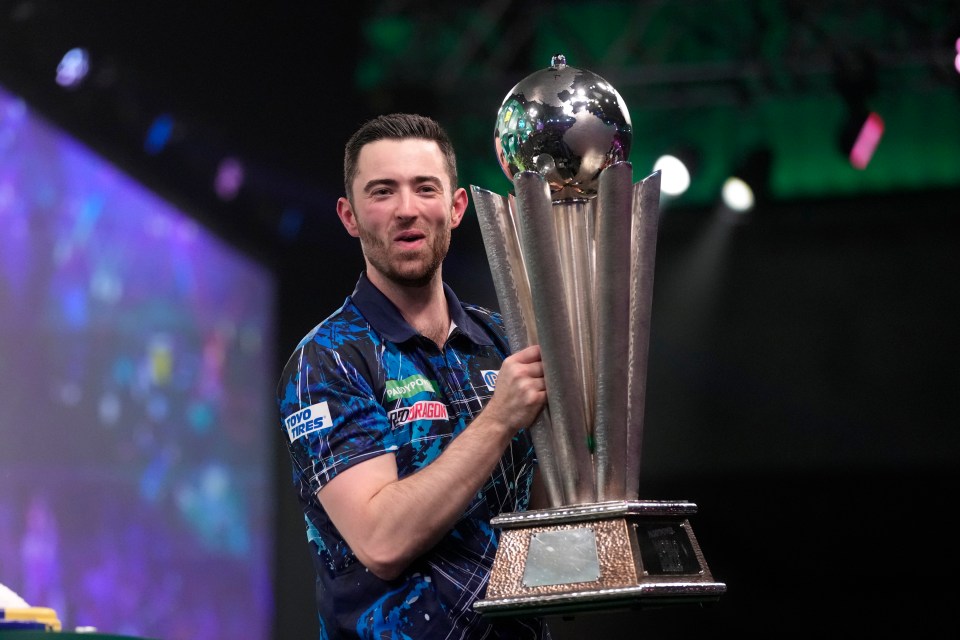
<point>802,390</point>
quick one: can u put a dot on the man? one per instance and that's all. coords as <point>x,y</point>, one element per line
<point>404,411</point>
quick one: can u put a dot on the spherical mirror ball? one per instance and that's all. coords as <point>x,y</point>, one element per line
<point>568,124</point>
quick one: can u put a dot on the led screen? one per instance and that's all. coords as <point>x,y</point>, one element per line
<point>136,410</point>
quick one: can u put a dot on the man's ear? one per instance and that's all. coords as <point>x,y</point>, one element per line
<point>347,217</point>
<point>459,207</point>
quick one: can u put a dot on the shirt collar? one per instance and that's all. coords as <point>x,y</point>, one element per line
<point>386,319</point>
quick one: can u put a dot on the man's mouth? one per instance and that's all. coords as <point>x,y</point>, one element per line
<point>408,238</point>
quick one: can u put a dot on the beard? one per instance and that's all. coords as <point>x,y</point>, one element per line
<point>407,269</point>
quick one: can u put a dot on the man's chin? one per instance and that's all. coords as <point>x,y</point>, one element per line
<point>418,273</point>
<point>413,280</point>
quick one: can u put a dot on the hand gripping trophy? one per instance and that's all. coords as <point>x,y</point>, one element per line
<point>571,253</point>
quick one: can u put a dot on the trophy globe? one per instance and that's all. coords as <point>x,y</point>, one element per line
<point>565,123</point>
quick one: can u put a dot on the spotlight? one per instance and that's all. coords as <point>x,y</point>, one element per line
<point>674,175</point>
<point>749,183</point>
<point>675,171</point>
<point>737,194</point>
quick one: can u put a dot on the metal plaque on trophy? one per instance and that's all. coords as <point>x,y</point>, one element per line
<point>571,253</point>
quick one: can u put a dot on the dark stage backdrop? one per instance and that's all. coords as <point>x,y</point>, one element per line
<point>136,402</point>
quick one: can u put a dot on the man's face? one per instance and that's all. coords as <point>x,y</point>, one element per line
<point>402,209</point>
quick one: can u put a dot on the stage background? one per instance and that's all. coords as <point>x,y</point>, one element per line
<point>803,371</point>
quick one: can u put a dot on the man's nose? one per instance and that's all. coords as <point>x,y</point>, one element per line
<point>406,204</point>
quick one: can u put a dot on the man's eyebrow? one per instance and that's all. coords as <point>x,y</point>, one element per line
<point>378,182</point>
<point>389,182</point>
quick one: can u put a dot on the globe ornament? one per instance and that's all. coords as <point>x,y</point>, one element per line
<point>565,123</point>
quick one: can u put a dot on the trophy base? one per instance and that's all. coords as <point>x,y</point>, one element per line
<point>601,556</point>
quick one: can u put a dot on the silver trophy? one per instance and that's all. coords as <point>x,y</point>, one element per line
<point>571,252</point>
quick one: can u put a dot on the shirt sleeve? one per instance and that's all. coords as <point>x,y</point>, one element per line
<point>330,415</point>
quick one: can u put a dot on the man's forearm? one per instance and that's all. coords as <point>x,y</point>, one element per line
<point>407,516</point>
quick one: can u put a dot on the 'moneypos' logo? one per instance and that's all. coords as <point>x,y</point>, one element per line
<point>423,410</point>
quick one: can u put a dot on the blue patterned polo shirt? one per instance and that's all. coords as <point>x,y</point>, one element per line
<point>363,383</point>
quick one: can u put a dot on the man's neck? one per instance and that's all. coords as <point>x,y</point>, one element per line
<point>424,308</point>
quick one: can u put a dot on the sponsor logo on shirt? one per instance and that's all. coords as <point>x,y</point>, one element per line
<point>423,410</point>
<point>490,378</point>
<point>408,387</point>
<point>314,418</point>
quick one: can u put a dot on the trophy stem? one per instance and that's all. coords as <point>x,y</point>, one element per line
<point>575,223</point>
<point>646,220</point>
<point>513,294</point>
<point>538,241</point>
<point>613,323</point>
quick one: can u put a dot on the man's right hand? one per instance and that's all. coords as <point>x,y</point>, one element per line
<point>521,390</point>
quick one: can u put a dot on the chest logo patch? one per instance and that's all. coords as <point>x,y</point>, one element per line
<point>316,417</point>
<point>408,387</point>
<point>423,410</point>
<point>490,378</point>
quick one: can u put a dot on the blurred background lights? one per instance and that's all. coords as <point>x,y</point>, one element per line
<point>674,175</point>
<point>158,135</point>
<point>291,221</point>
<point>737,194</point>
<point>230,176</point>
<point>866,141</point>
<point>73,68</point>
<point>956,60</point>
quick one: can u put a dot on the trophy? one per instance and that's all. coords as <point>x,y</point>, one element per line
<point>571,253</point>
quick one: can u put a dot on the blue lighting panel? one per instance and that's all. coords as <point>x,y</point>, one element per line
<point>136,411</point>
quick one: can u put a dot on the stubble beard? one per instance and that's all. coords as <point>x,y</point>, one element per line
<point>406,272</point>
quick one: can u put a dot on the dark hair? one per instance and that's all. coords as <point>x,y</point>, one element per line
<point>397,126</point>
